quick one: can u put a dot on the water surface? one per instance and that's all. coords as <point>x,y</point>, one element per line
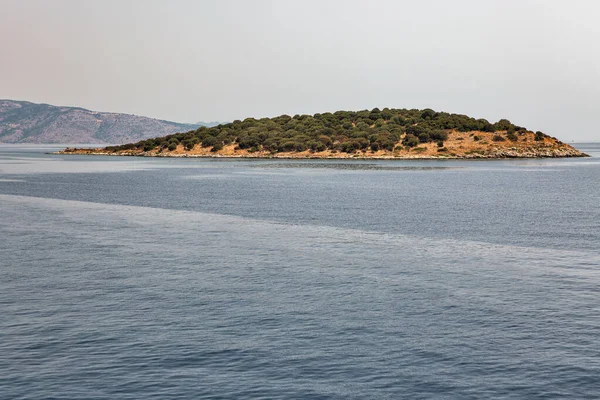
<point>187,278</point>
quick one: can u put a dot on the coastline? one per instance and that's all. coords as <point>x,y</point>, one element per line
<point>339,156</point>
<point>457,146</point>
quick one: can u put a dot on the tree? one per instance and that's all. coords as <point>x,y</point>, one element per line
<point>149,147</point>
<point>317,146</point>
<point>502,125</point>
<point>438,135</point>
<point>209,141</point>
<point>410,140</point>
<point>388,145</point>
<point>428,113</point>
<point>539,136</point>
<point>424,137</point>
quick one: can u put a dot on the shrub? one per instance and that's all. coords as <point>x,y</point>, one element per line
<point>498,138</point>
<point>476,138</point>
<point>502,125</point>
<point>428,113</point>
<point>292,145</point>
<point>210,141</point>
<point>388,145</point>
<point>416,130</point>
<point>410,140</point>
<point>539,136</point>
<point>512,137</point>
<point>320,147</point>
<point>363,143</point>
<point>398,120</point>
<point>190,143</point>
<point>172,146</point>
<point>326,140</point>
<point>350,146</point>
<point>246,142</point>
<point>316,146</point>
<point>438,135</point>
<point>271,144</point>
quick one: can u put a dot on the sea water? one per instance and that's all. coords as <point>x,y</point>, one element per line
<point>126,277</point>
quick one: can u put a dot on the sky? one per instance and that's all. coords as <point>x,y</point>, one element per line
<point>534,62</point>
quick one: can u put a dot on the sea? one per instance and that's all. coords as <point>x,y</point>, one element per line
<point>165,278</point>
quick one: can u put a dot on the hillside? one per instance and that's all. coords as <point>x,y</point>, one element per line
<point>25,122</point>
<point>387,133</point>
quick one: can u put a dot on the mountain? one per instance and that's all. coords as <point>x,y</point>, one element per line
<point>387,133</point>
<point>25,122</point>
<point>209,124</point>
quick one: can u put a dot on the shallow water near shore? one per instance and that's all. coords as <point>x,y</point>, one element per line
<point>191,278</point>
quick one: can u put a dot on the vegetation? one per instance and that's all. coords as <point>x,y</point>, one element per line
<point>341,131</point>
<point>539,136</point>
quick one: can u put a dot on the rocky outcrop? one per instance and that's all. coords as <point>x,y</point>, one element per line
<point>564,151</point>
<point>548,152</point>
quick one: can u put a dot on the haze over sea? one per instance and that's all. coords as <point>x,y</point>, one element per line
<point>128,278</point>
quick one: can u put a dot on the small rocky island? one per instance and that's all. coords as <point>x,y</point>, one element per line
<point>383,134</point>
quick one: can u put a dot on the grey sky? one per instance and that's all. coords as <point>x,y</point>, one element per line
<point>534,62</point>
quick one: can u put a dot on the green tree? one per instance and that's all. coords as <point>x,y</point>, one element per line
<point>217,147</point>
<point>410,140</point>
<point>539,136</point>
<point>424,137</point>
<point>209,141</point>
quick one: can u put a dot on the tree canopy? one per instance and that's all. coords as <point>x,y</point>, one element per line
<point>343,131</point>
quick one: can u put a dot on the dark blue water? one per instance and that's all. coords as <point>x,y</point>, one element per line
<point>187,278</point>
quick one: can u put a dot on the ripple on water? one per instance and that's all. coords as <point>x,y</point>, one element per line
<point>112,301</point>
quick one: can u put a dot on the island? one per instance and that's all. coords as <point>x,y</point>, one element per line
<point>374,134</point>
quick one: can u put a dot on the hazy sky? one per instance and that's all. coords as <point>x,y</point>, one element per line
<point>534,62</point>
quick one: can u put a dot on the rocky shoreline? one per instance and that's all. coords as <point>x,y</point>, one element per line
<point>502,153</point>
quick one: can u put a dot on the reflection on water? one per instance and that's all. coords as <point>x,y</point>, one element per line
<point>349,166</point>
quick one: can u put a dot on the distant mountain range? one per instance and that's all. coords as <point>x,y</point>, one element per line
<point>209,124</point>
<point>25,122</point>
